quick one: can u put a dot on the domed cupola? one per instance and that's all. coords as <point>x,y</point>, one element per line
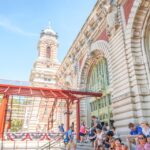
<point>48,31</point>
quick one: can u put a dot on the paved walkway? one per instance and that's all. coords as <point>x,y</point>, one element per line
<point>84,146</point>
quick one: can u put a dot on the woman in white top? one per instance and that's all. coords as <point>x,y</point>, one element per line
<point>145,128</point>
<point>99,139</point>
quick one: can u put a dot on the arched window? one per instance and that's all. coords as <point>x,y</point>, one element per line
<point>48,52</point>
<point>98,80</point>
<point>98,76</point>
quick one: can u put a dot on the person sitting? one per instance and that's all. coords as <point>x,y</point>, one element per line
<point>118,145</point>
<point>147,145</point>
<point>116,134</point>
<point>99,139</point>
<point>135,130</point>
<point>92,136</point>
<point>145,128</point>
<point>141,142</point>
<point>104,126</point>
<point>124,147</point>
<point>112,144</point>
<point>108,138</point>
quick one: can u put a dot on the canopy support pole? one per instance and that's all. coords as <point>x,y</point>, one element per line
<point>67,117</point>
<point>78,119</point>
<point>3,112</point>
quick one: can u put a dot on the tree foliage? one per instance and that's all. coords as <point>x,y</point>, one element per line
<point>16,125</point>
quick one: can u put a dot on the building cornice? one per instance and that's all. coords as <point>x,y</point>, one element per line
<point>88,31</point>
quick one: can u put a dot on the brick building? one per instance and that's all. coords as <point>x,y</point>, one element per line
<point>111,54</point>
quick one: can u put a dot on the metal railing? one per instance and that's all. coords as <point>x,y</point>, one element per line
<point>54,144</point>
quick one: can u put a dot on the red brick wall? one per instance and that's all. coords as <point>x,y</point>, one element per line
<point>127,8</point>
<point>103,35</point>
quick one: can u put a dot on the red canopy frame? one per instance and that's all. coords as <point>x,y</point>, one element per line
<point>71,96</point>
<point>7,89</point>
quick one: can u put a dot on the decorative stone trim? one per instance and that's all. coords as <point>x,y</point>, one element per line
<point>134,28</point>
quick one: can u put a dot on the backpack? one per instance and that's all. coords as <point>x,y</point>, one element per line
<point>66,138</point>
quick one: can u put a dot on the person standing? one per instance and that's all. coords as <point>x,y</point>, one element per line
<point>82,132</point>
<point>70,139</point>
<point>61,128</point>
<point>96,122</point>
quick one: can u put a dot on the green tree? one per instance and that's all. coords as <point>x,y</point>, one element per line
<point>16,125</point>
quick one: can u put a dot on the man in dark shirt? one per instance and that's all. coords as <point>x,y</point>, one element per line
<point>96,122</point>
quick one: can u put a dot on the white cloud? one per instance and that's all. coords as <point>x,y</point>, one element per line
<point>8,25</point>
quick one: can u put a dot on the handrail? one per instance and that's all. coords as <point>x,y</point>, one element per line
<point>52,144</point>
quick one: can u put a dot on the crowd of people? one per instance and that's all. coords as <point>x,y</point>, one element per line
<point>139,137</point>
<point>104,137</point>
<point>101,136</point>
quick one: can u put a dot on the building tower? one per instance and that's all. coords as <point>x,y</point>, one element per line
<point>46,65</point>
<point>43,74</point>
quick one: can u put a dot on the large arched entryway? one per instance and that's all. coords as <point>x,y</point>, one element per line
<point>138,47</point>
<point>98,80</point>
<point>95,76</point>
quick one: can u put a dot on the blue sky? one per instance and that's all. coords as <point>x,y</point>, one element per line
<point>21,22</point>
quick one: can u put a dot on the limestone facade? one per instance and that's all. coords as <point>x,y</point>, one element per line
<point>117,30</point>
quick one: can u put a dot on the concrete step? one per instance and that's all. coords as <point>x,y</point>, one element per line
<point>84,146</point>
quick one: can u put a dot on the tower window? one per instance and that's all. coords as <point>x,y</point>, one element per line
<point>48,52</point>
